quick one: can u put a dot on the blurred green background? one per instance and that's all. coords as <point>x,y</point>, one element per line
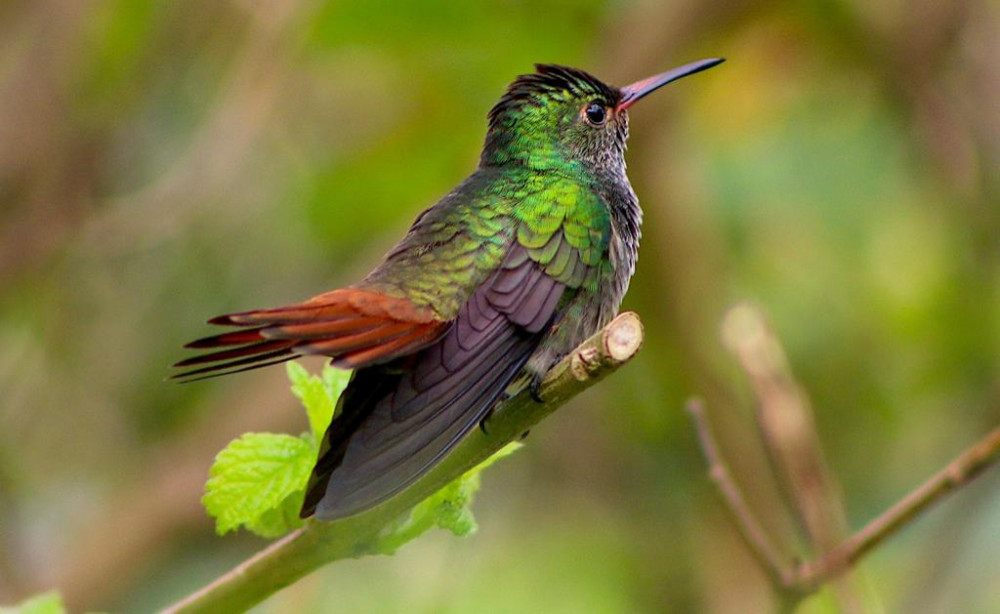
<point>162,162</point>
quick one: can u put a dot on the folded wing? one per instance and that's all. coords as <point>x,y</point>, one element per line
<point>395,422</point>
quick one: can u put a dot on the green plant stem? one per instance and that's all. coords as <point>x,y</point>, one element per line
<point>319,543</point>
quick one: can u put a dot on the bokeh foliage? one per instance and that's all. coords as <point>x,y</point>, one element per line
<point>162,162</point>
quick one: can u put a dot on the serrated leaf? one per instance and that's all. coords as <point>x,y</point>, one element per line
<point>278,521</point>
<point>447,509</point>
<point>45,603</point>
<point>450,505</point>
<point>318,394</point>
<point>254,475</point>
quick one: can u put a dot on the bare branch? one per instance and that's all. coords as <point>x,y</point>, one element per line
<point>789,427</point>
<point>959,472</point>
<point>782,575</point>
<point>788,424</point>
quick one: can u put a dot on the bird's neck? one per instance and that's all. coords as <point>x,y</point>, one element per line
<point>505,150</point>
<point>605,174</point>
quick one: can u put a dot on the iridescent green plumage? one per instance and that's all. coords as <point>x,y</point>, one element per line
<point>548,181</point>
<point>517,265</point>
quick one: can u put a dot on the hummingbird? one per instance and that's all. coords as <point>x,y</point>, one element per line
<point>506,274</point>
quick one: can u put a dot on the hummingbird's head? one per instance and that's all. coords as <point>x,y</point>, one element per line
<point>564,118</point>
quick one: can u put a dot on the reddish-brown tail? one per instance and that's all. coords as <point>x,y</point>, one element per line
<point>353,326</point>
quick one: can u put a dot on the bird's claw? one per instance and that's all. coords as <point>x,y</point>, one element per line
<point>485,419</point>
<point>535,389</point>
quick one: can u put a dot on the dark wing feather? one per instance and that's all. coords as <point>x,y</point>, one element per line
<point>395,422</point>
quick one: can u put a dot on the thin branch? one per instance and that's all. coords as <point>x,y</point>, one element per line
<point>319,543</point>
<point>753,532</point>
<point>786,418</point>
<point>959,472</point>
<point>788,423</point>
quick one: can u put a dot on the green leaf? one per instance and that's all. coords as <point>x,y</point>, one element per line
<point>336,381</point>
<point>278,521</point>
<point>254,476</point>
<point>258,481</point>
<point>45,603</point>
<point>448,508</point>
<point>318,395</point>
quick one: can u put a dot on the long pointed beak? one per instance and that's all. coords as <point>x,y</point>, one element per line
<point>632,93</point>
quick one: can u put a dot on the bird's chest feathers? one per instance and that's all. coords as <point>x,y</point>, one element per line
<point>623,252</point>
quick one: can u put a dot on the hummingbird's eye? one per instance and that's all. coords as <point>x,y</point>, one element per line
<point>595,113</point>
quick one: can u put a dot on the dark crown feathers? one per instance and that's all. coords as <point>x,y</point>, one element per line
<point>550,79</point>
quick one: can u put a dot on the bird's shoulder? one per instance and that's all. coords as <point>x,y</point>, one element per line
<point>565,227</point>
<point>454,246</point>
